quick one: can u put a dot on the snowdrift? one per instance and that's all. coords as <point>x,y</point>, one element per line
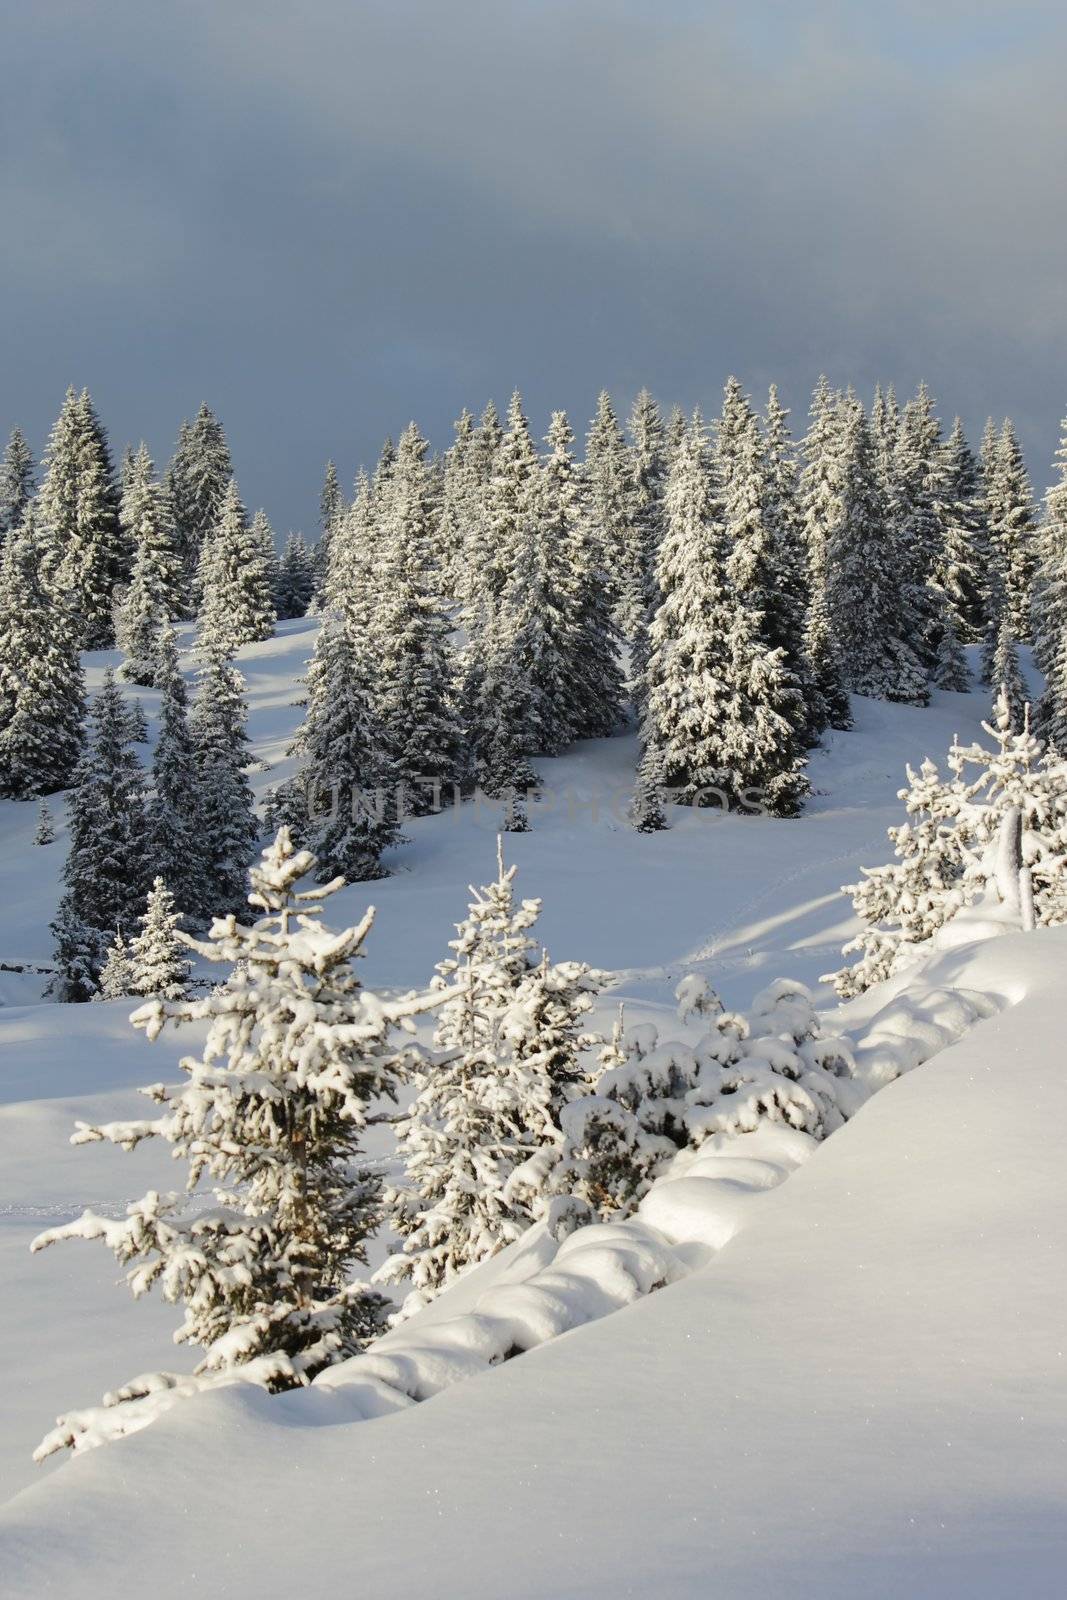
<point>853,1382</point>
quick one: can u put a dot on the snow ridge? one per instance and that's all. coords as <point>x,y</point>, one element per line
<point>564,1274</point>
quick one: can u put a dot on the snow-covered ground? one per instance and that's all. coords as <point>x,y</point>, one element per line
<point>862,1390</point>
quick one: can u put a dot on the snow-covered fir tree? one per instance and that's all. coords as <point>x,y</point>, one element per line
<point>648,455</point>
<point>507,1057</point>
<point>511,492</point>
<point>490,561</point>
<point>106,871</point>
<point>872,613</point>
<point>296,581</point>
<point>559,609</point>
<point>45,831</point>
<point>157,963</point>
<point>946,850</point>
<point>818,509</point>
<point>174,805</point>
<point>332,511</point>
<point>137,721</point>
<point>596,692</point>
<point>913,507</point>
<point>885,426</point>
<point>42,704</point>
<point>348,588</point>
<point>271,1120</point>
<point>1012,532</point>
<point>646,811</point>
<point>468,495</point>
<point>225,814</point>
<point>959,573</point>
<point>611,490</point>
<point>263,534</point>
<point>653,1099</point>
<point>17,482</point>
<point>116,974</point>
<point>196,479</point>
<point>1005,672</point>
<point>156,588</point>
<point>719,702</point>
<point>789,613</point>
<point>237,606</point>
<point>1050,607</point>
<point>413,669</point>
<point>950,669</point>
<point>462,502</point>
<point>84,555</point>
<point>343,800</point>
<point>755,542</point>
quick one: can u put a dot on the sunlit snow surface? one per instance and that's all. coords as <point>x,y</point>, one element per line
<point>860,1391</point>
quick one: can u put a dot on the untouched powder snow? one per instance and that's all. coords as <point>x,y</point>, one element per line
<point>863,1391</point>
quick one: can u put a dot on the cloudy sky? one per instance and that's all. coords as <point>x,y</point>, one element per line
<point>327,217</point>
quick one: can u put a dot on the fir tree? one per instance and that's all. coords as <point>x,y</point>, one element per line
<point>137,722</point>
<point>594,688</point>
<point>157,966</point>
<point>462,502</point>
<point>45,831</point>
<point>1012,532</point>
<point>78,517</point>
<point>174,806</point>
<point>296,577</point>
<point>677,428</point>
<point>648,452</point>
<point>788,616</point>
<point>106,867</point>
<point>871,615</point>
<point>505,774</point>
<point>506,465</point>
<point>612,502</point>
<point>1050,608</point>
<point>885,427</point>
<point>235,581</point>
<point>950,669</point>
<point>1006,674</point>
<point>646,806</point>
<point>506,1059</point>
<point>57,500</point>
<point>754,542</point>
<point>41,684</point>
<point>116,974</point>
<point>342,801</point>
<point>332,511</point>
<point>224,810</point>
<point>412,653</point>
<point>915,495</point>
<point>818,507</point>
<point>156,586</point>
<point>945,850</point>
<point>263,535</point>
<point>17,479</point>
<point>349,585</point>
<point>719,702</point>
<point>959,574</point>
<point>197,479</point>
<point>271,1118</point>
<point>512,489</point>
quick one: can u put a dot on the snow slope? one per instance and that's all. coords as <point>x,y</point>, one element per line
<point>833,1394</point>
<point>863,1391</point>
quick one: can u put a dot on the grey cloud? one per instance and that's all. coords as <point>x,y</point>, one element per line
<point>327,218</point>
